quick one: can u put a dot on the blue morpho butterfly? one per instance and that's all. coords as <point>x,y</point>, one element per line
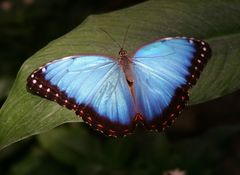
<point>113,95</point>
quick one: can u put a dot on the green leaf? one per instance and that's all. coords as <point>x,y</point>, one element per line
<point>217,22</point>
<point>5,84</point>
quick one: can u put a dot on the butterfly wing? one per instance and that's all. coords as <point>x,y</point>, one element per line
<point>164,70</point>
<point>92,85</point>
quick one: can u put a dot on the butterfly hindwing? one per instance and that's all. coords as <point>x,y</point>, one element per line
<point>92,85</point>
<point>164,70</point>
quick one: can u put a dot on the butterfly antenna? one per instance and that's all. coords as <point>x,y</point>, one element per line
<point>125,35</point>
<point>111,38</point>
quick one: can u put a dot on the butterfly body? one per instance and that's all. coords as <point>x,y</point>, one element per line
<point>125,63</point>
<point>114,95</point>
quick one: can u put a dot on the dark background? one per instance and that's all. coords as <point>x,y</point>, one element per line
<point>204,140</point>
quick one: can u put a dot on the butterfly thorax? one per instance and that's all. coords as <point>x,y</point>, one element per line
<point>125,63</point>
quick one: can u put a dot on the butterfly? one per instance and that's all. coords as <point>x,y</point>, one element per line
<point>114,95</point>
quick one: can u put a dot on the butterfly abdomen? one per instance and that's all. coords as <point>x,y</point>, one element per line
<point>125,64</point>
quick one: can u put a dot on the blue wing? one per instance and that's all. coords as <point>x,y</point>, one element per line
<point>163,72</point>
<point>94,86</point>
